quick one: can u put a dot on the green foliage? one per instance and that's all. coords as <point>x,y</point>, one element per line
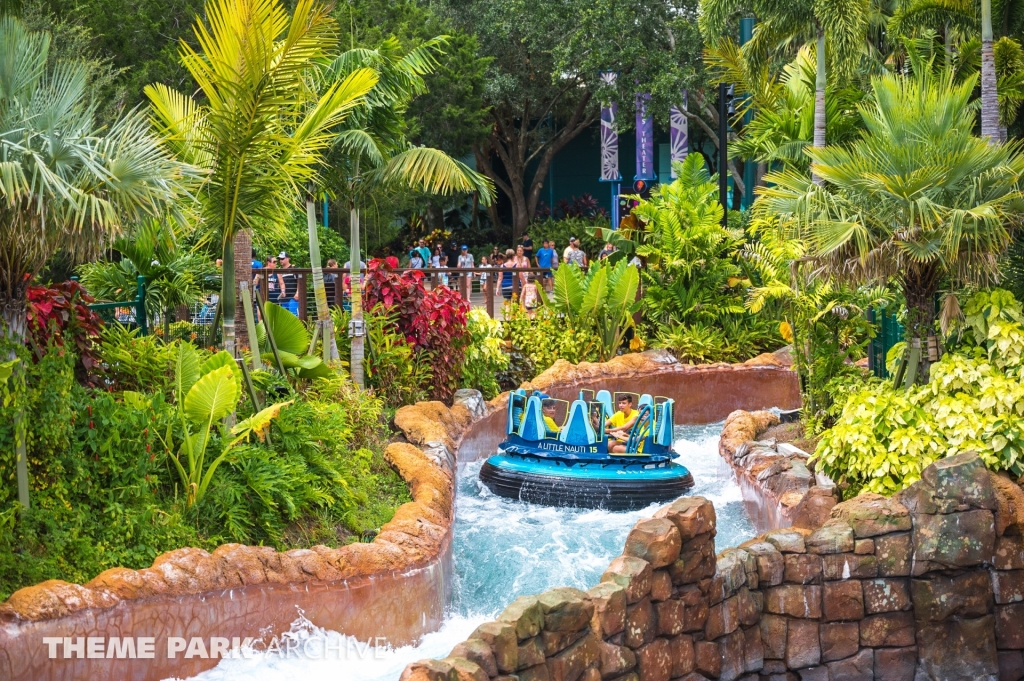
<point>134,362</point>
<point>293,239</point>
<point>693,285</point>
<point>393,369</point>
<point>885,436</point>
<point>106,491</point>
<point>485,357</point>
<point>175,275</point>
<point>293,344</point>
<point>824,318</point>
<point>545,337</point>
<point>602,299</point>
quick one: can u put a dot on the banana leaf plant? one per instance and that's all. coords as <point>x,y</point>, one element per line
<point>294,345</point>
<point>204,394</point>
<point>603,297</point>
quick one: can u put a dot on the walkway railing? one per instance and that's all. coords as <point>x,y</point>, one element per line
<point>130,313</point>
<point>479,285</point>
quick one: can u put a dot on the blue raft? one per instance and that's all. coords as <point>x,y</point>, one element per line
<point>571,465</point>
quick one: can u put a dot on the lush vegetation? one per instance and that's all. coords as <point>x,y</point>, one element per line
<point>858,125</point>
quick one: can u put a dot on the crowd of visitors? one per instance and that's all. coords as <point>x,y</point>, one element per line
<point>277,284</point>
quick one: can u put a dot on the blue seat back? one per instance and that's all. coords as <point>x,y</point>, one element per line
<point>577,430</point>
<point>532,427</point>
<point>663,423</point>
<point>605,398</point>
<point>516,406</point>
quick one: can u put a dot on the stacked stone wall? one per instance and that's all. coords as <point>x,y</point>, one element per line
<point>927,586</point>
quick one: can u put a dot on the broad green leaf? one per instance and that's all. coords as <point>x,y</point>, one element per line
<point>289,332</point>
<point>596,294</point>
<point>216,361</point>
<point>213,397</point>
<point>567,294</point>
<point>186,371</point>
<point>318,370</point>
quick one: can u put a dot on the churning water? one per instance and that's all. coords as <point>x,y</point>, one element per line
<point>503,549</point>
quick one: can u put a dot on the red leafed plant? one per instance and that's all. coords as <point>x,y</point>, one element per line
<point>433,322</point>
<point>61,316</point>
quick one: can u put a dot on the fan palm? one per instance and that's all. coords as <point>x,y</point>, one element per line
<point>65,183</point>
<point>917,199</point>
<point>373,152</point>
<point>262,129</point>
<point>839,28</point>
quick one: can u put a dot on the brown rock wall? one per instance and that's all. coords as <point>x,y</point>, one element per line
<point>837,603</point>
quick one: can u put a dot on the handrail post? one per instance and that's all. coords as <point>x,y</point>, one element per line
<point>140,305</point>
<point>303,293</point>
<point>489,295</point>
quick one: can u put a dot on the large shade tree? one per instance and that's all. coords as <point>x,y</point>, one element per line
<point>543,85</point>
<point>260,128</point>
<point>918,200</point>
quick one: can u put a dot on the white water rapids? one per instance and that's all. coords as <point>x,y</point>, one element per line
<point>503,549</point>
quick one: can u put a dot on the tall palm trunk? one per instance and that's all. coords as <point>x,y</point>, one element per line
<point>323,312</point>
<point>356,331</point>
<point>989,87</point>
<point>819,100</point>
<point>242,266</point>
<point>227,294</point>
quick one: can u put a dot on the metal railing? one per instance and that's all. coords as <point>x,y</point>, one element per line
<point>482,286</point>
<point>890,332</point>
<point>130,313</point>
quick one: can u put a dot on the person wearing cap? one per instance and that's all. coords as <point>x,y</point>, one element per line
<point>574,254</point>
<point>466,262</point>
<point>289,292</point>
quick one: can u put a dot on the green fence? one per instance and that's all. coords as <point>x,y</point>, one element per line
<point>890,332</point>
<point>131,313</point>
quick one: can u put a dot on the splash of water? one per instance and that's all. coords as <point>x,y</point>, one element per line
<point>503,549</point>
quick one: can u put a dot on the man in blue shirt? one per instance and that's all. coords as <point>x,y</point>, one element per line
<point>546,258</point>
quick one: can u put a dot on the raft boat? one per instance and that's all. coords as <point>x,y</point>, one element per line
<point>577,463</point>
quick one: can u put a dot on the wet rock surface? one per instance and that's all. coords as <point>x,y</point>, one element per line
<point>881,590</point>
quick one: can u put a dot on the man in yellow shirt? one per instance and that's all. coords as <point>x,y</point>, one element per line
<point>619,425</point>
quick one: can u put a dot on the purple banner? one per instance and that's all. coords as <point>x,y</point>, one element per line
<point>609,136</point>
<point>644,140</point>
<point>679,131</point>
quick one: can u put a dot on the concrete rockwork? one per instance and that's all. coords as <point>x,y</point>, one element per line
<point>778,487</point>
<point>395,588</point>
<point>925,586</point>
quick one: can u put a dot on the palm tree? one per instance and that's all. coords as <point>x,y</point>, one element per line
<point>175,276</point>
<point>373,152</point>
<point>837,28</point>
<point>962,17</point>
<point>261,130</point>
<point>65,183</point>
<point>918,199</point>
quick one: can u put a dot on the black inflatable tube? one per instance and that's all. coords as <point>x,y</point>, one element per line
<point>557,490</point>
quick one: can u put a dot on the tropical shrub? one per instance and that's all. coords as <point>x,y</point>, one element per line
<point>538,341</point>
<point>293,344</point>
<point>134,362</point>
<point>692,277</point>
<point>394,372</point>
<point>603,298</point>
<point>823,318</point>
<point>485,357</point>
<point>885,435</point>
<point>61,316</point>
<point>432,322</point>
